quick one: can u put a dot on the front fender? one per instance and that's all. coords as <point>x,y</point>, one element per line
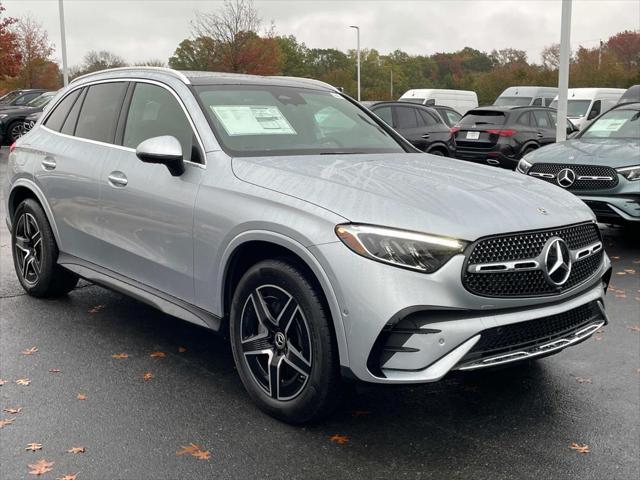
<point>311,262</point>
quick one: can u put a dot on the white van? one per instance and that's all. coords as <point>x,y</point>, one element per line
<point>585,104</point>
<point>459,100</point>
<point>524,96</point>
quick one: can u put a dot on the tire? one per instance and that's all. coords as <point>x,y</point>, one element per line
<point>527,151</point>
<point>289,340</point>
<point>35,254</point>
<point>12,135</point>
<point>438,152</point>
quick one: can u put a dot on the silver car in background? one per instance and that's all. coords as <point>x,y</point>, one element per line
<point>280,211</point>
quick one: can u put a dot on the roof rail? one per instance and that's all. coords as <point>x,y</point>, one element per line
<point>171,71</point>
<point>311,81</point>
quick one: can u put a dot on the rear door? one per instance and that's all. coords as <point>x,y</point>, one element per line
<point>546,132</point>
<point>147,213</point>
<point>411,125</point>
<point>77,138</point>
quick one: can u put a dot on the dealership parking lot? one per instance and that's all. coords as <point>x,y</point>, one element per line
<point>511,423</point>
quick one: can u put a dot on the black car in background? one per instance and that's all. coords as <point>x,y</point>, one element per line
<point>19,98</point>
<point>501,136</point>
<point>12,119</point>
<point>422,126</point>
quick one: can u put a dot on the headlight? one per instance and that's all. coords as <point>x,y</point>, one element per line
<point>416,251</point>
<point>630,173</point>
<point>523,166</point>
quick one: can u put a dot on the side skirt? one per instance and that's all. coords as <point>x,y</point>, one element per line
<point>119,283</point>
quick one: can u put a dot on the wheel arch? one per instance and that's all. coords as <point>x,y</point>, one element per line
<point>439,146</point>
<point>251,247</point>
<point>20,191</point>
<point>530,144</point>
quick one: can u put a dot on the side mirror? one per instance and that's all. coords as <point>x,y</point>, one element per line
<point>165,150</point>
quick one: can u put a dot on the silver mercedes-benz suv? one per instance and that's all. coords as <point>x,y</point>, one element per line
<point>280,211</point>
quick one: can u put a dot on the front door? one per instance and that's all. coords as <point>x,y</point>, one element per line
<point>147,214</point>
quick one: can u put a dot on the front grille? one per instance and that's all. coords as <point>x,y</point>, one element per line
<point>525,335</point>
<point>527,245</point>
<point>580,171</point>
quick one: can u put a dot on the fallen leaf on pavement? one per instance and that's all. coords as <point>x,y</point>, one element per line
<point>5,421</point>
<point>621,273</point>
<point>23,381</point>
<point>630,270</point>
<point>158,355</point>
<point>635,328</point>
<point>147,376</point>
<point>181,349</point>
<point>32,447</point>
<point>40,467</point>
<point>120,356</point>
<point>12,410</point>
<point>580,448</point>
<point>81,396</point>
<point>583,380</point>
<point>68,476</point>
<point>195,451</point>
<point>2,382</point>
<point>615,258</point>
<point>54,370</point>
<point>77,450</point>
<point>340,439</point>
<point>202,455</point>
<point>96,309</point>
<point>29,351</point>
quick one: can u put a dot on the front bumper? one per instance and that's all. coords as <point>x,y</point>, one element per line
<point>435,320</point>
<point>618,209</point>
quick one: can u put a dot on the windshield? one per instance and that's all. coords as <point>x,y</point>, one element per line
<point>617,123</point>
<point>9,97</point>
<point>512,101</point>
<point>262,120</point>
<point>575,108</point>
<point>40,101</point>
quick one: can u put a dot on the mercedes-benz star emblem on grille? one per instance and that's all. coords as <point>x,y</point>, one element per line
<point>557,261</point>
<point>566,177</point>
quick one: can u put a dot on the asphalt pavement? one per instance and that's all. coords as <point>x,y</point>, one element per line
<point>513,423</point>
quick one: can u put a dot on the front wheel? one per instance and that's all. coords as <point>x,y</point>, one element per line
<point>35,253</point>
<point>282,343</point>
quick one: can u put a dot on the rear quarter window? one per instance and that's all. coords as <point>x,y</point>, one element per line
<point>59,114</point>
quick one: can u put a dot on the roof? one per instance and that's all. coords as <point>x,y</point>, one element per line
<point>507,108</point>
<point>211,78</point>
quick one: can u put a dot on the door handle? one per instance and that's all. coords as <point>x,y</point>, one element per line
<point>539,135</point>
<point>426,135</point>
<point>48,163</point>
<point>118,179</point>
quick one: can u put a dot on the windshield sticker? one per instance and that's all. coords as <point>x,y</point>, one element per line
<point>252,120</point>
<point>609,124</point>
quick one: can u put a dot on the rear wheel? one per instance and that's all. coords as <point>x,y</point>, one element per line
<point>438,152</point>
<point>14,131</point>
<point>35,253</point>
<point>282,343</point>
<point>527,151</point>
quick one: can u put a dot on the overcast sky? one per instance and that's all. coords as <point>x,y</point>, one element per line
<point>145,29</point>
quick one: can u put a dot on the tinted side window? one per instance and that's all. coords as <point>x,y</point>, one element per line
<point>429,119</point>
<point>100,110</point>
<point>69,125</point>
<point>542,119</point>
<point>26,98</point>
<point>406,117</point>
<point>385,114</point>
<point>154,111</point>
<point>525,119</point>
<point>595,109</point>
<point>60,112</point>
<point>547,101</point>
<point>537,102</point>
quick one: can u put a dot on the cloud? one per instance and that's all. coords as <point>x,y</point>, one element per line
<point>140,30</point>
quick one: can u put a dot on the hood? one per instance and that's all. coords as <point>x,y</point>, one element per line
<point>418,192</point>
<point>593,151</point>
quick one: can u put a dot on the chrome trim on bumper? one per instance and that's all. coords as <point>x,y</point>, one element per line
<point>544,349</point>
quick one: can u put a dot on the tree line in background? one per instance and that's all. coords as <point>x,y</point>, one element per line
<point>232,39</point>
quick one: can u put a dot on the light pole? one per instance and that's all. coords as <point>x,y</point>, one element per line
<point>563,71</point>
<point>65,72</point>
<point>358,56</point>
